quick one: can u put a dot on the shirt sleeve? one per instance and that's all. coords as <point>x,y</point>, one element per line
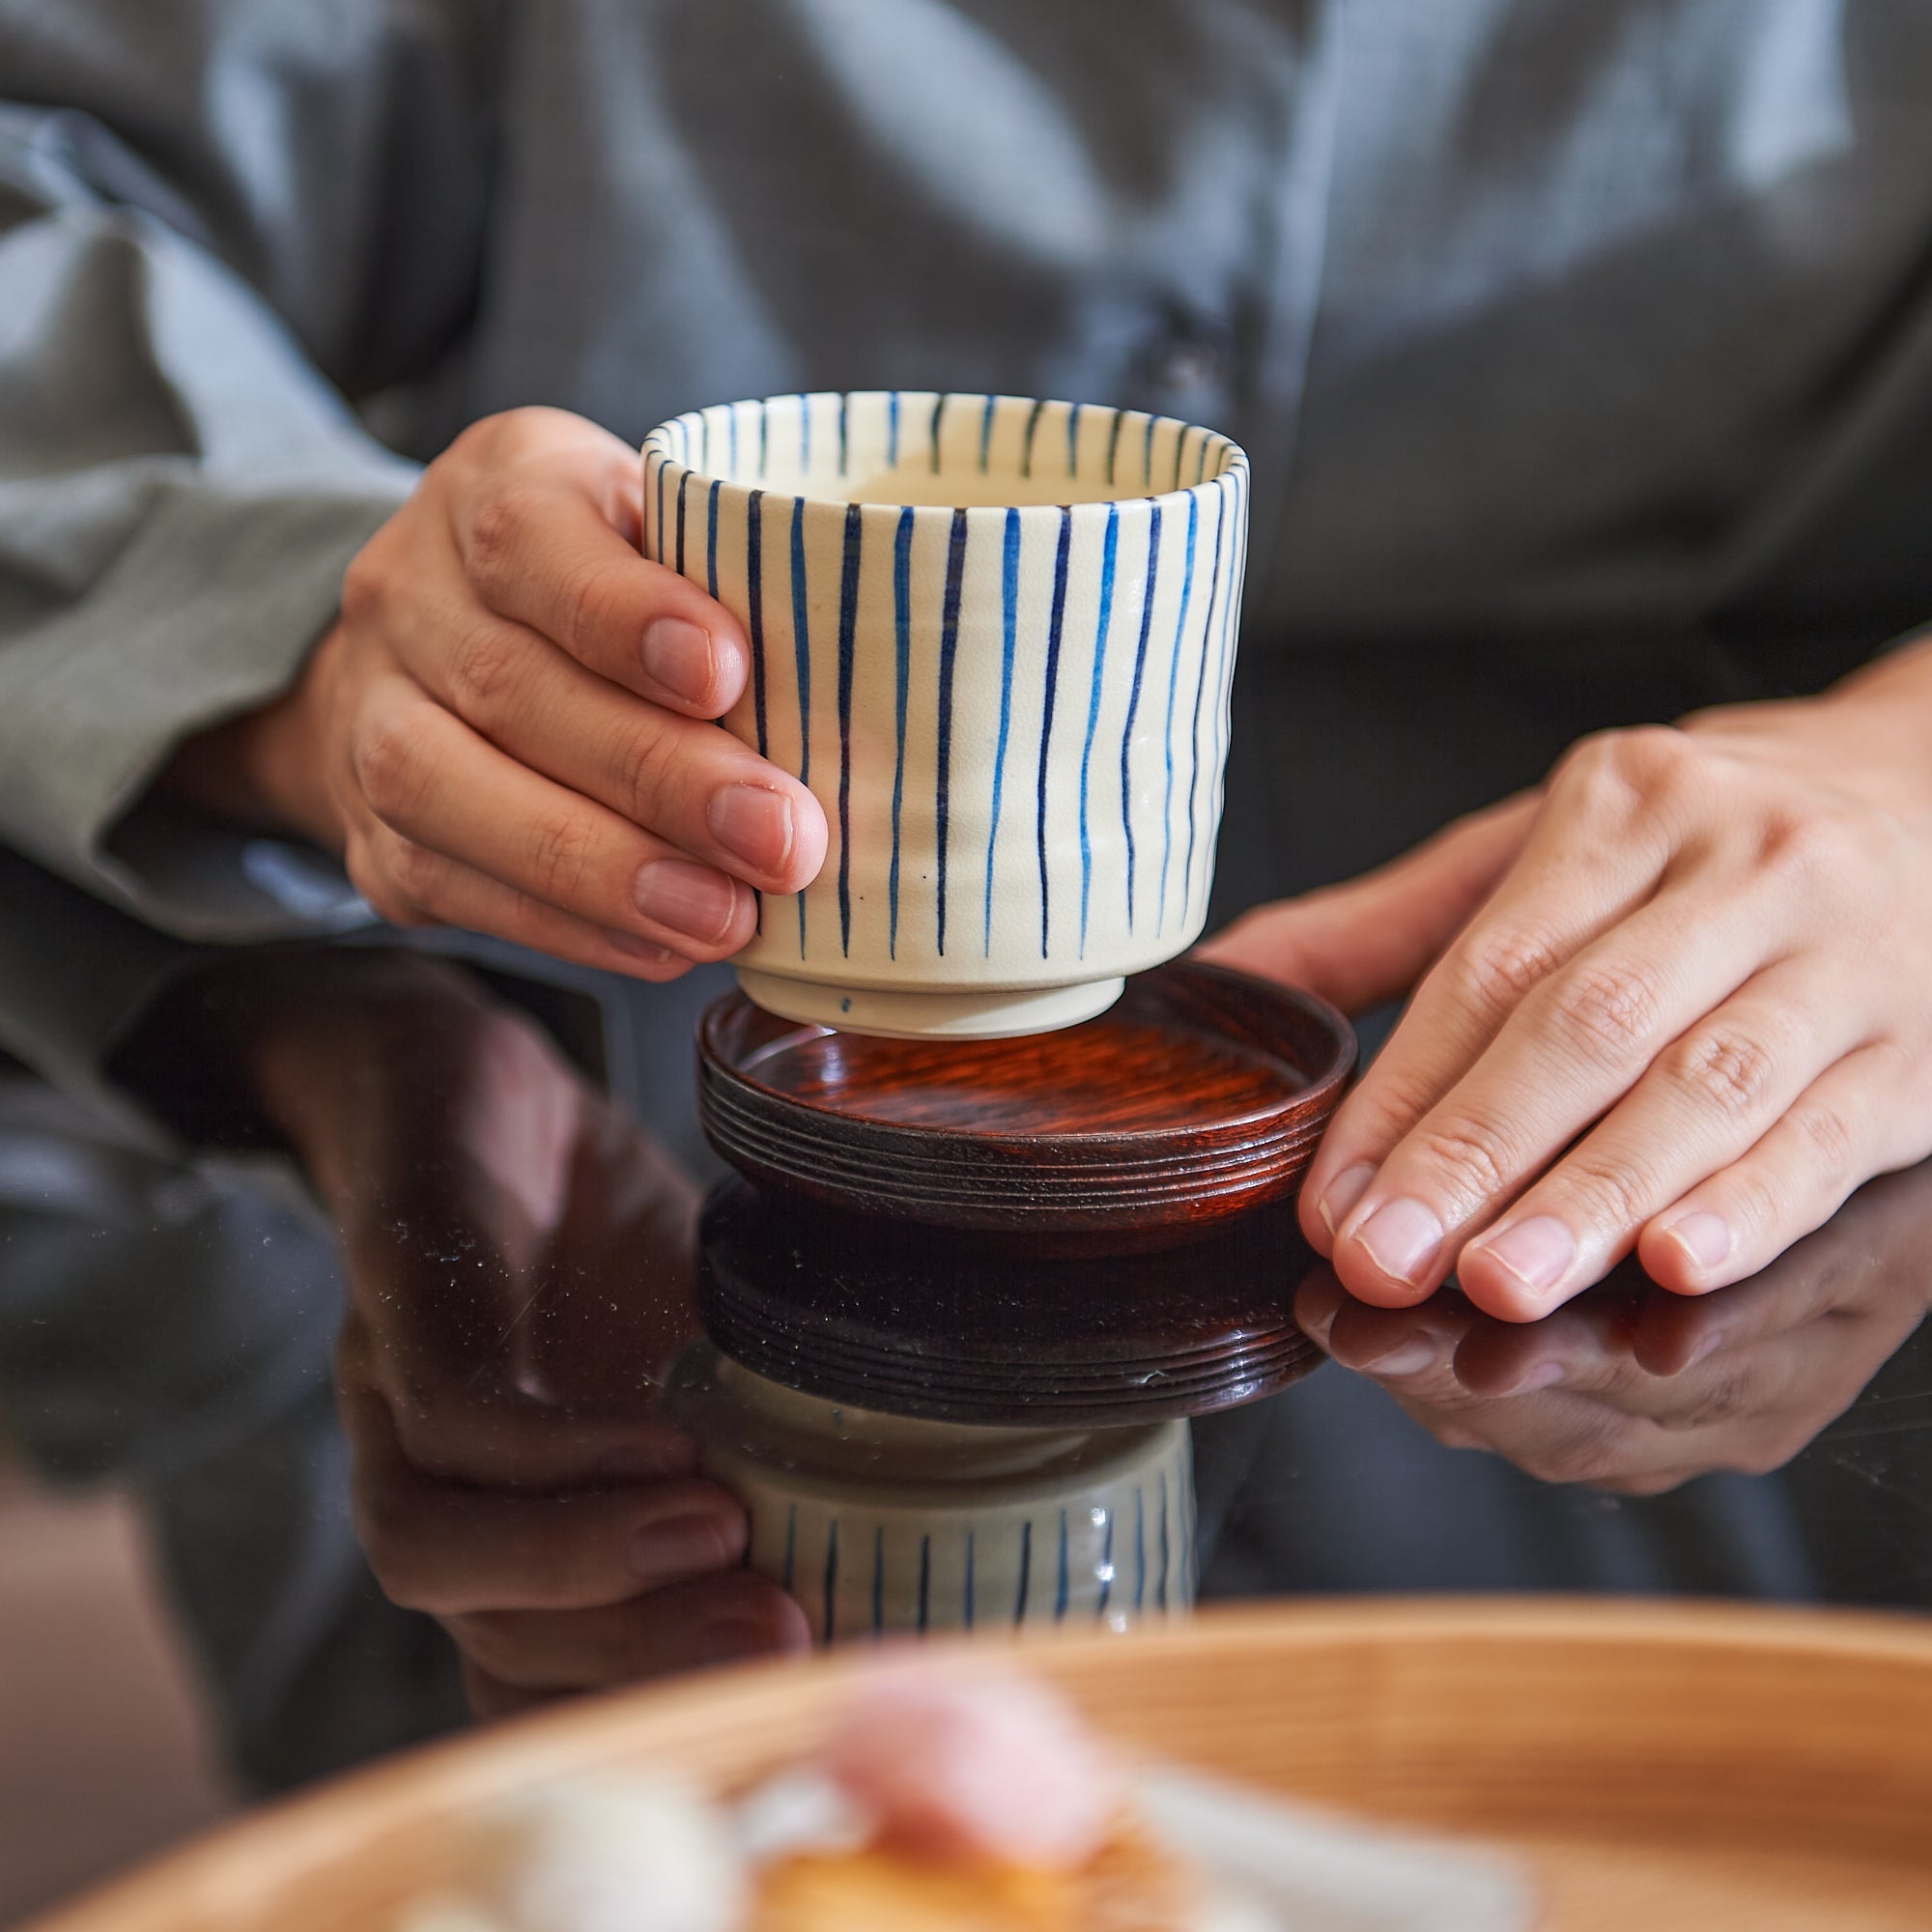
<point>216,222</point>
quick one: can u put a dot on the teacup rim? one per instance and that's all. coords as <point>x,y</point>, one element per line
<point>1235,465</point>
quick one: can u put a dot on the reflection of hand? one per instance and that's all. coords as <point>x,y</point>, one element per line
<point>1633,1390</point>
<point>518,1263</point>
<point>510,728</point>
<point>1674,1002</point>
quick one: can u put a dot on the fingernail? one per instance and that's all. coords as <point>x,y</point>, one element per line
<point>685,1545</point>
<point>677,655</point>
<point>651,953</point>
<point>1400,1235</point>
<point>1344,1191</point>
<point>641,1463</point>
<point>1539,1252</point>
<point>731,1639</point>
<point>1704,1236</point>
<point>687,897</point>
<point>752,823</point>
<point>1406,1358</point>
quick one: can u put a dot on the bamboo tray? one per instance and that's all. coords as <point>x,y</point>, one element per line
<point>1656,1766</point>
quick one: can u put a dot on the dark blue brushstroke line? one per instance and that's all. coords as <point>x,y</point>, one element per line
<point>1114,445</point>
<point>1160,1591</point>
<point>986,433</point>
<point>938,411</point>
<point>844,434</point>
<point>1140,1551</point>
<point>1073,441</point>
<point>802,656</point>
<point>1173,679</point>
<point>849,620</point>
<point>1064,1586</point>
<point>893,430</point>
<point>1194,740</point>
<point>924,1581</point>
<point>683,485</point>
<point>948,646</point>
<point>1055,621</point>
<point>1009,604</point>
<point>1134,701</point>
<point>1109,553</point>
<point>1107,1568</point>
<point>764,438</point>
<point>1026,1571</point>
<point>1146,455</point>
<point>711,542</point>
<point>1026,455</point>
<point>902,655</point>
<point>754,598</point>
<point>805,436</point>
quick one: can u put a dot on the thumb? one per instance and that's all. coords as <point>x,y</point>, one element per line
<point>1369,940</point>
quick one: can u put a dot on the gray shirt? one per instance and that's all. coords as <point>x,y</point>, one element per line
<point>1583,348</point>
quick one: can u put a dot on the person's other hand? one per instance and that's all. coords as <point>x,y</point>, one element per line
<point>510,728</point>
<point>1673,1002</point>
<point>1633,1390</point>
<point>520,1271</point>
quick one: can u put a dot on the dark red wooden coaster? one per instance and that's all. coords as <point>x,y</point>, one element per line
<point>961,1327</point>
<point>1199,1095</point>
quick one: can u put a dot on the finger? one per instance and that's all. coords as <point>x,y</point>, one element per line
<point>1574,1348</point>
<point>447,793</point>
<point>545,554</point>
<point>1369,940</point>
<point>445,1427</point>
<point>730,1618</point>
<point>684,779</point>
<point>446,1548</point>
<point>1410,1345</point>
<point>1705,1098</point>
<point>1843,1128</point>
<point>1581,869</point>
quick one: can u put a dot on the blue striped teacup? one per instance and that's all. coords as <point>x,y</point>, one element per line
<point>996,638</point>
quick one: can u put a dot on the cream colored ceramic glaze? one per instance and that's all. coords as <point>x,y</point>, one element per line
<point>997,639</point>
<point>886,1525</point>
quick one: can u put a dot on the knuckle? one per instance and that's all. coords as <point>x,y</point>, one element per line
<point>652,773</point>
<point>561,846</point>
<point>1611,1195</point>
<point>1504,968</point>
<point>420,872</point>
<point>1475,1161</point>
<point>505,513</point>
<point>1729,1072</point>
<point>386,756</point>
<point>366,585</point>
<point>486,666</point>
<point>379,892</point>
<point>1829,1134</point>
<point>594,607</point>
<point>1611,1012</point>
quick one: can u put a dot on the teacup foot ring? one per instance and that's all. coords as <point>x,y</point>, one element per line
<point>898,1014</point>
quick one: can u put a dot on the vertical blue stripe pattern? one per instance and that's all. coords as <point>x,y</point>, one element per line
<point>848,623</point>
<point>1110,553</point>
<point>830,1606</point>
<point>791,1546</point>
<point>948,646</point>
<point>1173,684</point>
<point>1106,1567</point>
<point>802,656</point>
<point>925,1583</point>
<point>1063,1583</point>
<point>977,688</point>
<point>1010,604</point>
<point>1134,702</point>
<point>1200,685</point>
<point>902,665</point>
<point>879,1580</point>
<point>1026,1572</point>
<point>1054,621</point>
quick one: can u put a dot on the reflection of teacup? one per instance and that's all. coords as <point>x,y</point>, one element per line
<point>881,1524</point>
<point>995,637</point>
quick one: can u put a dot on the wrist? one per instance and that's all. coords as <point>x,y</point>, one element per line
<point>264,768</point>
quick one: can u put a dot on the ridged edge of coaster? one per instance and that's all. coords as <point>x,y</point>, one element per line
<point>1097,1182</point>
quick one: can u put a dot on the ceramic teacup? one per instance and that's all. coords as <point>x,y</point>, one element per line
<point>995,638</point>
<point>883,1525</point>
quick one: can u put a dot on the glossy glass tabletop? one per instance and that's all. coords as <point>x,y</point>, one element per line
<point>384,1362</point>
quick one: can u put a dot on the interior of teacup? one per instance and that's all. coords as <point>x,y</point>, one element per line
<point>900,446</point>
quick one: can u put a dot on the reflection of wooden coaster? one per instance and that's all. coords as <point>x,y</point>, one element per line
<point>1199,1095</point>
<point>959,1327</point>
